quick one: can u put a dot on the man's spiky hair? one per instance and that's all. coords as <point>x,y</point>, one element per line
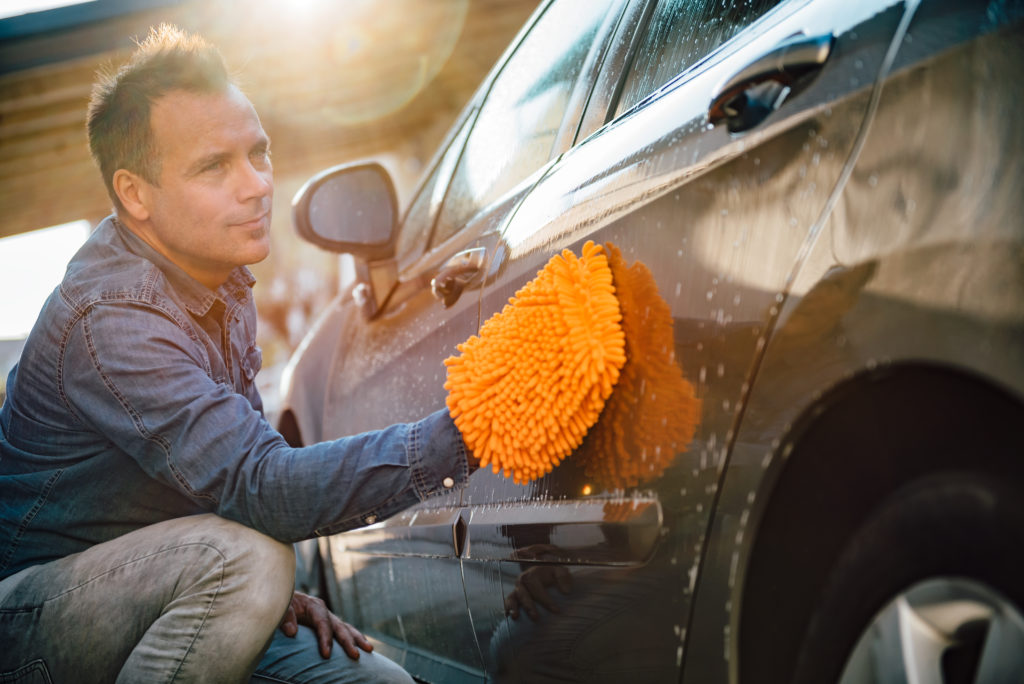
<point>119,109</point>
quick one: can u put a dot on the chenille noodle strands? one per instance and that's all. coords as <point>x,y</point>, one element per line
<point>527,389</point>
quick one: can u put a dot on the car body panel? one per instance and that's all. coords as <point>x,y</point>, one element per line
<point>373,390</point>
<point>720,238</point>
<point>833,239</point>
<point>912,269</point>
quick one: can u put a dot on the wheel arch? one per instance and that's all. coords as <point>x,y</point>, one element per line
<point>849,452</point>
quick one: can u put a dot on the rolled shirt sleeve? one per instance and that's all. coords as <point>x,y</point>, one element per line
<point>149,392</point>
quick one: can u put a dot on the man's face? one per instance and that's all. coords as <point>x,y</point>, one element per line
<point>210,210</point>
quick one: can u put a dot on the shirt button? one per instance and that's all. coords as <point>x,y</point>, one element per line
<point>448,483</point>
<point>370,519</point>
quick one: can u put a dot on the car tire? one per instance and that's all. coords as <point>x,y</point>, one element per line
<point>961,531</point>
<point>901,476</point>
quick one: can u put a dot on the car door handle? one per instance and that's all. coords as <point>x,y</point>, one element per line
<point>757,90</point>
<point>456,273</point>
<point>577,531</point>
<point>429,533</point>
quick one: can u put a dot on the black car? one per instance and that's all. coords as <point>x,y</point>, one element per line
<point>827,197</point>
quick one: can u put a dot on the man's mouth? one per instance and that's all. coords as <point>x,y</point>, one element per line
<point>253,223</point>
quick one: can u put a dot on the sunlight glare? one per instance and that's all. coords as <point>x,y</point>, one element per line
<point>31,266</point>
<point>11,8</point>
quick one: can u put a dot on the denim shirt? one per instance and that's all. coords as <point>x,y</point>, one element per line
<point>134,402</point>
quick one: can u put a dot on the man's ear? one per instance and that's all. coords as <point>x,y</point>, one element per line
<point>133,191</point>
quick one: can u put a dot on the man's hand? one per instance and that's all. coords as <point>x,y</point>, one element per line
<point>532,588</point>
<point>312,612</point>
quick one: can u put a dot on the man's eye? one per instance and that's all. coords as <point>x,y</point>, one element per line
<point>261,156</point>
<point>214,166</point>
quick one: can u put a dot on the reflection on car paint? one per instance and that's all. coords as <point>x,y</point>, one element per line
<point>653,412</point>
<point>794,260</point>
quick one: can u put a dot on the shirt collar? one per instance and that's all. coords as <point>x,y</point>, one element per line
<point>198,298</point>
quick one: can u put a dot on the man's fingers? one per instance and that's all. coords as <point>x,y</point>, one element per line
<point>564,580</point>
<point>525,600</point>
<point>320,619</point>
<point>512,606</point>
<point>536,586</point>
<point>361,641</point>
<point>290,622</point>
<point>351,639</point>
<point>532,588</point>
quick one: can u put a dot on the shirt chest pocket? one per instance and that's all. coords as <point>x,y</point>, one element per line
<point>252,361</point>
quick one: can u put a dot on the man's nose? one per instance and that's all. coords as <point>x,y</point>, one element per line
<point>254,182</point>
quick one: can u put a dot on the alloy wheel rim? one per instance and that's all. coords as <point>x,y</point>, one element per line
<point>947,630</point>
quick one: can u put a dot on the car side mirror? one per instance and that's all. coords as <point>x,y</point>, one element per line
<point>350,209</point>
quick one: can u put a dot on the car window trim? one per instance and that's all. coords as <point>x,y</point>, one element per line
<point>466,118</point>
<point>615,66</point>
<point>464,132</point>
<point>778,13</point>
<point>436,160</point>
<point>589,76</point>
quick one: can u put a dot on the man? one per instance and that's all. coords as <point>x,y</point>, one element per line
<point>146,506</point>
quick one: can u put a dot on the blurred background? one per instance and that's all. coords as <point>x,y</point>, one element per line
<point>333,81</point>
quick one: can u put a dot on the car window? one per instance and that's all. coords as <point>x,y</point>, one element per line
<point>419,219</point>
<point>520,119</point>
<point>679,34</point>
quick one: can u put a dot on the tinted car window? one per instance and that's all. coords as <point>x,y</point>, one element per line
<point>679,34</point>
<point>519,123</point>
<point>419,219</point>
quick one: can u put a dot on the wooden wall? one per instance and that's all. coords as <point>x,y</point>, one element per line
<point>333,81</point>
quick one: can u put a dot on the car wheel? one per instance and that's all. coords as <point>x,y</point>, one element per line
<point>929,589</point>
<point>950,629</point>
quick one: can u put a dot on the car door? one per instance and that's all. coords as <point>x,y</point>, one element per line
<point>401,579</point>
<point>719,144</point>
<point>371,572</point>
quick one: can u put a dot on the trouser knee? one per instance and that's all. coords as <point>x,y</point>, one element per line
<point>259,572</point>
<point>200,596</point>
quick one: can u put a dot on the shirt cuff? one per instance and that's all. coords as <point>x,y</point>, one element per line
<point>438,458</point>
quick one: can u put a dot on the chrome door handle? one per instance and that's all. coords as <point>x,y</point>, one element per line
<point>757,90</point>
<point>592,532</point>
<point>456,273</point>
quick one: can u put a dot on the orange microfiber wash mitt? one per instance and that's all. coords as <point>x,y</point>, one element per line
<point>654,412</point>
<point>524,393</point>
